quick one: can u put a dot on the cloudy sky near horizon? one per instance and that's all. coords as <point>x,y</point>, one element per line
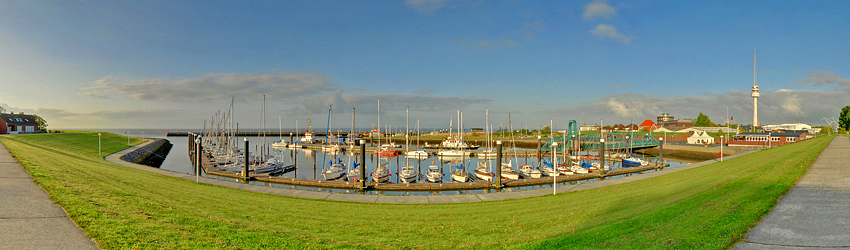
<point>167,64</point>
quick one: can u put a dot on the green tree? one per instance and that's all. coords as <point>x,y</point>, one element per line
<point>703,121</point>
<point>42,124</point>
<point>2,110</point>
<point>844,118</point>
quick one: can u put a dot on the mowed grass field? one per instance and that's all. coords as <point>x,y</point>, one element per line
<point>709,207</point>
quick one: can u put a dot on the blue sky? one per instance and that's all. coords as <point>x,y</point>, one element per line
<point>167,64</point>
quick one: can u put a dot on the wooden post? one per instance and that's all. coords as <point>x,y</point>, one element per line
<point>247,158</point>
<point>362,164</point>
<point>498,164</point>
<point>661,152</point>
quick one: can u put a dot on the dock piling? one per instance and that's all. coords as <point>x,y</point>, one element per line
<point>602,157</point>
<point>362,164</point>
<point>499,164</point>
<point>247,157</point>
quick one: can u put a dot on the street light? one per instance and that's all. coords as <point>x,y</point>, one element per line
<point>98,144</point>
<point>198,159</point>
<point>769,137</point>
<point>127,133</point>
<point>721,148</point>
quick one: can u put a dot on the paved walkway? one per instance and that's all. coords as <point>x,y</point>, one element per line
<point>116,158</point>
<point>815,213</point>
<point>28,218</point>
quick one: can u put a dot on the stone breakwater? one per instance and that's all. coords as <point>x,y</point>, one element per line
<point>152,154</point>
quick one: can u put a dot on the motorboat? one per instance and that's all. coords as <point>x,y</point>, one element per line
<point>434,174</point>
<point>528,171</point>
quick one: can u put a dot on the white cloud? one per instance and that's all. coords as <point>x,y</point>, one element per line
<point>775,107</point>
<point>598,9</point>
<point>607,30</point>
<point>824,78</point>
<point>426,6</point>
<point>92,95</point>
<point>216,87</point>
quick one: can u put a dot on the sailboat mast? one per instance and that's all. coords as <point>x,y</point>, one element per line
<point>406,130</point>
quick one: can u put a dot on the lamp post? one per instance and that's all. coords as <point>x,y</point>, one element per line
<point>769,138</point>
<point>198,159</point>
<point>98,144</point>
<point>554,167</point>
<point>127,133</point>
<point>721,148</point>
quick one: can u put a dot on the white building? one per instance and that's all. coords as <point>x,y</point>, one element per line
<point>792,126</point>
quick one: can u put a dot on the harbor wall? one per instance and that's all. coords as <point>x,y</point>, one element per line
<point>151,155</point>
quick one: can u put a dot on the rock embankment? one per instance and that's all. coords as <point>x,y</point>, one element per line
<point>690,151</point>
<point>152,154</point>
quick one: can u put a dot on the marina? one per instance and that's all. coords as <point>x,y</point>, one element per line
<point>308,172</point>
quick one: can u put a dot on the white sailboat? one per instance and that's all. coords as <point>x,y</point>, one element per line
<point>418,153</point>
<point>381,173</point>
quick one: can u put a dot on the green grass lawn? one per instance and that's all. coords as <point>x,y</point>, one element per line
<point>709,207</point>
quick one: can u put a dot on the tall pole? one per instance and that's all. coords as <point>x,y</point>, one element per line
<point>363,164</point>
<point>661,152</point>
<point>198,158</point>
<point>555,166</point>
<point>721,148</point>
<point>247,157</point>
<point>499,164</point>
<point>602,156</point>
<point>98,144</point>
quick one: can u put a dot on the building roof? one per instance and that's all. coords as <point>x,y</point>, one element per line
<point>19,120</point>
<point>794,133</point>
<point>648,123</point>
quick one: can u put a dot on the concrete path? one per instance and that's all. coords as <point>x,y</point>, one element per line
<point>28,218</point>
<point>815,213</point>
<point>369,198</point>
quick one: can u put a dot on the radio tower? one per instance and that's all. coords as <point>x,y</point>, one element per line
<point>755,93</point>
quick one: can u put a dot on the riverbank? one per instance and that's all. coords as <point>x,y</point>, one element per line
<point>707,207</point>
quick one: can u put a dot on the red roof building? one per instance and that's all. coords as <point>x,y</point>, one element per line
<point>649,125</point>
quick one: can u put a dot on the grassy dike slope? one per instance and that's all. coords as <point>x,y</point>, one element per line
<point>709,207</point>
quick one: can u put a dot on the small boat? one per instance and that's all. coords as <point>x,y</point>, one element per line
<point>294,145</point>
<point>528,171</point>
<point>453,153</point>
<point>408,174</point>
<point>581,169</point>
<point>459,175</point>
<point>354,173</point>
<point>386,151</point>
<point>487,153</point>
<point>564,170</point>
<point>330,148</point>
<point>434,174</point>
<point>334,171</point>
<point>547,170</point>
<point>381,173</point>
<point>508,172</point>
<point>417,154</point>
<point>483,173</point>
<point>272,165</point>
<point>280,144</point>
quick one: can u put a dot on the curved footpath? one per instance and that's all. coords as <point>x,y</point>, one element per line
<point>372,198</point>
<point>28,218</point>
<point>815,213</point>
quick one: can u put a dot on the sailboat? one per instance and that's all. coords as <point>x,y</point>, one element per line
<point>507,167</point>
<point>460,174</point>
<point>280,142</point>
<point>295,144</point>
<point>386,149</point>
<point>408,173</point>
<point>483,172</point>
<point>381,173</point>
<point>454,148</point>
<point>335,170</point>
<point>419,152</point>
<point>489,152</point>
